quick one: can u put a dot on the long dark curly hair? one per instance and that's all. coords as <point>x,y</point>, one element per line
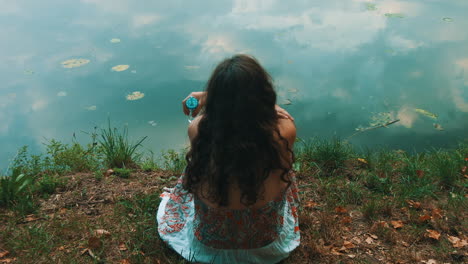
<point>236,141</point>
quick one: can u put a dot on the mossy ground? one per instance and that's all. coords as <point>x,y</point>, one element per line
<point>386,207</point>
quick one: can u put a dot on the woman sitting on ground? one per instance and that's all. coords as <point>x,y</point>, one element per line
<point>237,199</point>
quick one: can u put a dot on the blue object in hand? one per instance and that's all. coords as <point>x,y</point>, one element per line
<point>191,103</point>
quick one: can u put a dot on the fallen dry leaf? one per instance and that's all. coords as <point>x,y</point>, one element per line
<point>4,253</point>
<point>397,224</point>
<point>335,251</point>
<point>420,173</point>
<point>109,172</point>
<point>346,220</point>
<point>351,256</point>
<point>433,234</point>
<point>101,232</point>
<point>30,218</point>
<point>122,247</point>
<point>124,261</point>
<point>424,218</point>
<point>369,240</point>
<point>63,210</point>
<point>414,204</point>
<point>340,209</point>
<point>348,244</point>
<point>373,236</point>
<point>61,248</point>
<point>436,213</point>
<point>381,224</point>
<point>8,260</point>
<point>457,242</point>
<point>310,204</point>
<point>404,243</point>
<point>94,242</point>
<point>362,161</point>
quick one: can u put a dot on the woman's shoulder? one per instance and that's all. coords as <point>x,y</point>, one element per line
<point>287,129</point>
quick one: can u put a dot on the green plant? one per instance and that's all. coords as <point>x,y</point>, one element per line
<point>118,151</point>
<point>149,163</point>
<point>122,172</point>
<point>98,175</point>
<point>73,158</point>
<point>13,187</point>
<point>378,184</point>
<point>173,161</point>
<point>48,184</point>
<point>446,166</point>
<point>327,155</point>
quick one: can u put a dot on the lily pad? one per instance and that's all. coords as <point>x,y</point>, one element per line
<point>115,40</point>
<point>380,119</point>
<point>135,96</point>
<point>438,127</point>
<point>73,63</point>
<point>447,19</point>
<point>371,6</point>
<point>426,113</point>
<point>120,68</point>
<point>91,108</point>
<point>394,15</point>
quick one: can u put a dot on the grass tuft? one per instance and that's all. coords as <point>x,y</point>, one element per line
<point>118,151</point>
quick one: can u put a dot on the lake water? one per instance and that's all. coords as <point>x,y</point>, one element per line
<point>337,65</point>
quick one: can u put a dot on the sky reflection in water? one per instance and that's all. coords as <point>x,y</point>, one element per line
<point>336,65</point>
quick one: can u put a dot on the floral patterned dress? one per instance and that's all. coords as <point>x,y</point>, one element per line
<point>212,235</point>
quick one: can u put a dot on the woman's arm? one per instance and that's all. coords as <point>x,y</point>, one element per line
<point>201,96</point>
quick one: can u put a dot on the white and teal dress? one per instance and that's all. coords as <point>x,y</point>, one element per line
<point>212,235</point>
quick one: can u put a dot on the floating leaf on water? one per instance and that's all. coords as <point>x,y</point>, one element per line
<point>120,68</point>
<point>135,96</point>
<point>28,72</point>
<point>115,40</point>
<point>62,93</point>
<point>426,113</point>
<point>292,90</point>
<point>390,51</point>
<point>380,119</point>
<point>371,6</point>
<point>91,108</point>
<point>438,127</point>
<point>152,123</point>
<point>192,67</point>
<point>73,63</point>
<point>447,19</point>
<point>394,15</point>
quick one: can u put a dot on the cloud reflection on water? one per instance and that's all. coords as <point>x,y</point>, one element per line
<point>342,58</point>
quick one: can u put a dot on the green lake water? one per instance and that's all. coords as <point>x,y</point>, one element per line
<point>338,66</point>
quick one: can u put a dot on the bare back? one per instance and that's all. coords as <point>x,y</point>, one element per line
<point>273,185</point>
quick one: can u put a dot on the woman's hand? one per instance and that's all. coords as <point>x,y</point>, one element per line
<point>201,96</point>
<point>283,113</point>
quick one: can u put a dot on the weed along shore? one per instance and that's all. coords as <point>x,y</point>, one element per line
<point>96,203</point>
